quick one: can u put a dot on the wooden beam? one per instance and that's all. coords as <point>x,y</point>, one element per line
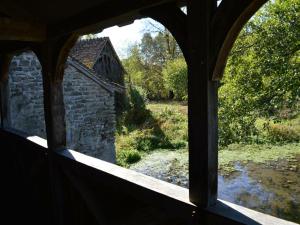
<point>107,14</point>
<point>21,31</point>
<point>53,55</point>
<point>14,47</point>
<point>5,60</point>
<point>226,24</point>
<point>202,110</point>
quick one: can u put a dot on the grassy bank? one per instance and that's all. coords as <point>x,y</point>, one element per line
<point>166,130</point>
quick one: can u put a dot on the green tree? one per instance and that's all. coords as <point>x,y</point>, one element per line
<point>262,76</point>
<point>147,60</point>
<point>175,77</point>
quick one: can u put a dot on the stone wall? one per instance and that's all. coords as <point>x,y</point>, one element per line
<point>90,112</point>
<point>25,91</point>
<point>90,116</point>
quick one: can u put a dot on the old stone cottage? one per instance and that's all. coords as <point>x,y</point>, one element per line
<point>93,77</point>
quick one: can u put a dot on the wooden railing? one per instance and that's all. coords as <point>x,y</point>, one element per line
<point>98,192</point>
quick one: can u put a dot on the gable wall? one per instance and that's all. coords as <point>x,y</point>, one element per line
<point>109,67</point>
<point>90,116</point>
<point>90,113</point>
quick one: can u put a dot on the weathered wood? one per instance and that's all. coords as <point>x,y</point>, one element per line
<point>53,55</point>
<point>226,24</point>
<point>21,31</point>
<point>107,14</point>
<point>202,111</point>
<point>4,110</point>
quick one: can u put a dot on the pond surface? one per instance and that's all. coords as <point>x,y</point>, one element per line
<point>272,187</point>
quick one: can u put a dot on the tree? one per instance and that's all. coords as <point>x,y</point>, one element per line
<point>147,60</point>
<point>175,77</point>
<point>262,75</point>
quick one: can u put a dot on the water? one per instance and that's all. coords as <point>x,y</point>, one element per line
<point>272,188</point>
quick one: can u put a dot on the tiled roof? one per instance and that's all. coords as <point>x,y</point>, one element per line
<point>87,51</point>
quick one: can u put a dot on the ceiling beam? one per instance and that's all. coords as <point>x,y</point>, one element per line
<point>14,30</point>
<point>107,14</point>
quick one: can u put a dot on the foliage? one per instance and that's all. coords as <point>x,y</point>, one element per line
<point>136,112</point>
<point>164,128</point>
<point>127,157</point>
<point>175,77</point>
<point>262,77</point>
<point>147,60</point>
<point>279,132</point>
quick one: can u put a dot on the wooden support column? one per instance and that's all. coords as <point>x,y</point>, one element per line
<point>202,112</point>
<point>53,104</point>
<point>4,106</point>
<point>53,55</point>
<point>55,125</point>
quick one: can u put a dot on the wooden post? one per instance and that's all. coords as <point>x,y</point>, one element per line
<point>202,91</point>
<point>54,111</point>
<point>4,106</point>
<point>53,55</point>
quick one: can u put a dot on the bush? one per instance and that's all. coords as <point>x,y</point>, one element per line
<point>175,76</point>
<point>126,157</point>
<point>136,113</point>
<point>282,133</point>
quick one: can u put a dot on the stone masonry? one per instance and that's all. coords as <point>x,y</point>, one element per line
<point>89,102</point>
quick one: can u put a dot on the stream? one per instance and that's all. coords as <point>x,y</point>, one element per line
<point>272,187</point>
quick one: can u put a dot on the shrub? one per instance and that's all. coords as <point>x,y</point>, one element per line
<point>136,113</point>
<point>126,157</point>
<point>282,133</point>
<point>175,77</point>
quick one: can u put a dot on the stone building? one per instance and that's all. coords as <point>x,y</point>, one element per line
<point>93,76</point>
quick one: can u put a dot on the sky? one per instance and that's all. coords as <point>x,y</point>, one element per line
<point>124,37</point>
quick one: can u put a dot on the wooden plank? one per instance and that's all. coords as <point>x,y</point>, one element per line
<point>202,111</point>
<point>21,31</point>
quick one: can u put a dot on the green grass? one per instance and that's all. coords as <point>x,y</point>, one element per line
<point>166,129</point>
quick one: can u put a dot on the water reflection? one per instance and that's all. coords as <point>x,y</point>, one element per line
<point>272,188</point>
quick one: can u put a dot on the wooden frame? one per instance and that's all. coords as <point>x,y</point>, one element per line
<point>205,35</point>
